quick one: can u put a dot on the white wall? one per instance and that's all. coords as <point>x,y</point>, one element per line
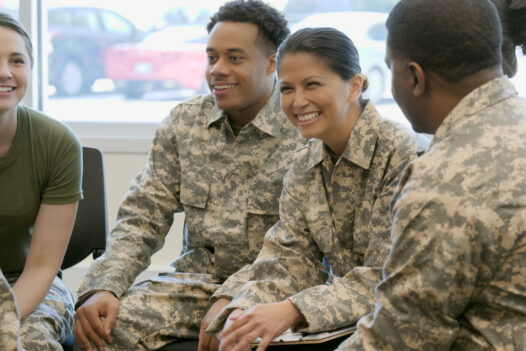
<point>119,171</point>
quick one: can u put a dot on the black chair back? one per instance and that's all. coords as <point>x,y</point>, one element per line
<point>91,223</point>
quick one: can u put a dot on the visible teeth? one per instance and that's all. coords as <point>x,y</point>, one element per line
<point>308,116</point>
<point>219,87</point>
<point>5,89</point>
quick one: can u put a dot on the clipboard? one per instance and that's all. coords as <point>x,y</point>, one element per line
<point>291,338</point>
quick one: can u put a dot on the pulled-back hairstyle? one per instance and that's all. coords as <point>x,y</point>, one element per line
<point>9,22</point>
<point>512,15</point>
<point>272,25</point>
<point>330,45</point>
<point>452,38</point>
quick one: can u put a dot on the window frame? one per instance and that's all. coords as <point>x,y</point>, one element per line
<point>111,137</point>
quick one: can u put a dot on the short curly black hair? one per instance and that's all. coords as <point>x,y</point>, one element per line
<point>272,25</point>
<point>452,38</point>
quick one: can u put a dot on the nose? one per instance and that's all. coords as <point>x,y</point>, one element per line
<point>219,68</point>
<point>299,99</point>
<point>5,71</point>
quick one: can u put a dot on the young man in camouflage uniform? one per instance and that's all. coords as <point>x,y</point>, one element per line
<point>9,319</point>
<point>219,158</point>
<point>456,275</point>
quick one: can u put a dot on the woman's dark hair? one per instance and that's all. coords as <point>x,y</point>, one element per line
<point>512,15</point>
<point>328,44</point>
<point>11,23</point>
<point>272,25</point>
<point>452,38</point>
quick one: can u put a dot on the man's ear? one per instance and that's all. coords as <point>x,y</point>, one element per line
<point>418,77</point>
<point>271,63</point>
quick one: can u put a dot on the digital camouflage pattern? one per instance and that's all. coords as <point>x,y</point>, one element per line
<point>9,319</point>
<point>228,188</point>
<point>456,276</point>
<point>46,328</point>
<point>50,324</point>
<point>326,252</point>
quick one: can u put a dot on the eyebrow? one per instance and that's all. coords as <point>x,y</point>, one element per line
<point>304,80</point>
<point>230,51</point>
<point>18,54</point>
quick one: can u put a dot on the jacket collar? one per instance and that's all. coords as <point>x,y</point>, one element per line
<point>269,119</point>
<point>361,144</point>
<point>477,100</point>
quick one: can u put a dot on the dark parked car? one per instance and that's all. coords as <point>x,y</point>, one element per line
<point>79,39</point>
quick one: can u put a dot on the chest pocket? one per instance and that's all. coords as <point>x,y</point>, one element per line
<point>194,193</point>
<point>262,213</point>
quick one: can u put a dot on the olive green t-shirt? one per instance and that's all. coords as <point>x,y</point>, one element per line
<point>44,165</point>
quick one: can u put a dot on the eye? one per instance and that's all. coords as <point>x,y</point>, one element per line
<point>236,59</point>
<point>211,58</point>
<point>284,89</point>
<point>313,84</point>
<point>18,61</point>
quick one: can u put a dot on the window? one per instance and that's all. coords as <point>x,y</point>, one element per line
<point>10,7</point>
<point>113,23</point>
<point>113,75</point>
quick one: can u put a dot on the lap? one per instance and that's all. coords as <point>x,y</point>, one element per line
<point>52,321</point>
<point>154,312</point>
<point>9,323</point>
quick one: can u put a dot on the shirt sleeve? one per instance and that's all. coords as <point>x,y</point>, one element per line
<point>143,219</point>
<point>429,276</point>
<point>233,284</point>
<point>64,183</point>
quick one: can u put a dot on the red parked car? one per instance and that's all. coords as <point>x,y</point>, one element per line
<point>171,58</point>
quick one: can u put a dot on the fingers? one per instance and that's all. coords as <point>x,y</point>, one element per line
<point>240,338</point>
<point>264,343</point>
<point>214,344</point>
<point>80,337</point>
<point>111,316</point>
<point>204,340</point>
<point>85,334</point>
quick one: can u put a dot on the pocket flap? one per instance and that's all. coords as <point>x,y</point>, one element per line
<point>194,193</point>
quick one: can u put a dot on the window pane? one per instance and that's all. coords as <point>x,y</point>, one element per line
<point>126,61</point>
<point>10,7</point>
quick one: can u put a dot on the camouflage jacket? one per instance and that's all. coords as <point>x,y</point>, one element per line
<point>227,186</point>
<point>456,276</point>
<point>326,252</point>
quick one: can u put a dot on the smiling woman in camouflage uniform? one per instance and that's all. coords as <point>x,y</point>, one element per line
<point>324,257</point>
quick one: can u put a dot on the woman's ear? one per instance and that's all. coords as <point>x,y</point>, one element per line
<point>355,84</point>
<point>418,78</point>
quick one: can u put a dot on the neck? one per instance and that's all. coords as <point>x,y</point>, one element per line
<point>8,125</point>
<point>448,95</point>
<point>337,140</point>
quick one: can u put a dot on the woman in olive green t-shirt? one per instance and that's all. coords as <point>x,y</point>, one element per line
<point>40,185</point>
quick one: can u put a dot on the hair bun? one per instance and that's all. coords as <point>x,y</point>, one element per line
<point>365,83</point>
<point>518,14</point>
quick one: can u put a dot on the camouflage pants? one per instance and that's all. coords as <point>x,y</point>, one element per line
<point>49,325</point>
<point>9,322</point>
<point>157,311</point>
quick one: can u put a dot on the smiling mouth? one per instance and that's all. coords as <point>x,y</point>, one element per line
<point>307,117</point>
<point>6,89</point>
<point>223,87</point>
